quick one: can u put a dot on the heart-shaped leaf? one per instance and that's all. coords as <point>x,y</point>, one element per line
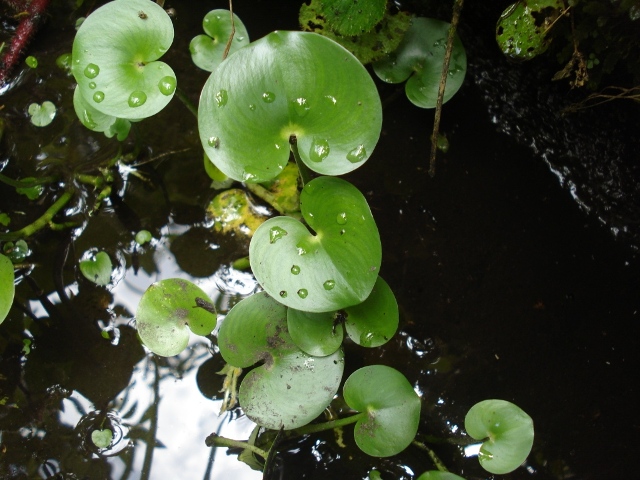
<point>317,334</point>
<point>333,268</point>
<point>42,115</point>
<point>7,287</point>
<point>114,59</point>
<point>290,388</point>
<point>289,85</point>
<point>97,121</point>
<point>97,269</point>
<point>393,412</point>
<point>507,432</point>
<point>207,50</point>
<point>168,311</point>
<point>419,58</point>
<point>102,438</point>
<point>438,475</point>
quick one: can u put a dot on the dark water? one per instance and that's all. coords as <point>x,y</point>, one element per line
<point>508,286</point>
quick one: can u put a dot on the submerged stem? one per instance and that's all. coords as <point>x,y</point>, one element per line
<point>432,455</point>
<point>321,427</point>
<point>41,222</point>
<point>186,102</point>
<point>216,440</point>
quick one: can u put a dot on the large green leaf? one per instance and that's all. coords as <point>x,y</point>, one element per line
<point>392,406</point>
<point>419,59</point>
<point>7,287</point>
<point>347,17</point>
<point>168,311</point>
<point>114,59</point>
<point>317,334</point>
<point>329,268</point>
<point>507,432</point>
<point>286,86</point>
<point>290,388</point>
<point>207,50</point>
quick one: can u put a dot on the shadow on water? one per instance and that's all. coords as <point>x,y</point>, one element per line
<point>509,286</point>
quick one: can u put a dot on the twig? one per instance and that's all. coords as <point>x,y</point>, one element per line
<point>457,8</point>
<point>41,222</point>
<point>233,32</point>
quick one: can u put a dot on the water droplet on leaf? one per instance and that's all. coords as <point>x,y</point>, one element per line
<point>319,150</point>
<point>214,142</point>
<point>222,97</point>
<point>92,70</point>
<point>167,85</point>
<point>252,107</point>
<point>301,106</point>
<point>283,293</point>
<point>92,85</point>
<point>358,154</point>
<point>302,293</point>
<point>329,284</point>
<point>366,339</point>
<point>268,97</point>
<point>341,218</point>
<point>295,270</point>
<point>98,97</point>
<point>137,99</point>
<point>276,233</point>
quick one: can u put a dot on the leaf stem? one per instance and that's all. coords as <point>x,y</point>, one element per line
<point>216,440</point>
<point>305,172</point>
<point>186,102</point>
<point>432,455</point>
<point>26,183</point>
<point>330,425</point>
<point>41,222</point>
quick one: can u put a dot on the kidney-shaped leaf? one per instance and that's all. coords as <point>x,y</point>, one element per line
<point>95,120</point>
<point>419,58</point>
<point>207,50</point>
<point>168,311</point>
<point>507,432</point>
<point>290,388</point>
<point>114,59</point>
<point>392,406</point>
<point>97,269</point>
<point>328,270</point>
<point>7,287</point>
<point>289,84</point>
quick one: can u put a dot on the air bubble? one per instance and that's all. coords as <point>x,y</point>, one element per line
<point>98,97</point>
<point>276,233</point>
<point>268,97</point>
<point>302,293</point>
<point>137,99</point>
<point>341,218</point>
<point>92,70</point>
<point>329,284</point>
<point>358,154</point>
<point>167,85</point>
<point>319,149</point>
<point>222,97</point>
<point>295,270</point>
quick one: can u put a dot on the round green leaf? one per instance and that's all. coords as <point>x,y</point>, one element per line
<point>393,412</point>
<point>7,287</point>
<point>317,334</point>
<point>97,269</point>
<point>347,17</point>
<point>333,268</point>
<point>102,438</point>
<point>42,115</point>
<point>168,311</point>
<point>438,475</point>
<point>419,58</point>
<point>290,388</point>
<point>507,432</point>
<point>207,50</point>
<point>114,59</point>
<point>373,322</point>
<point>286,86</point>
<point>97,121</point>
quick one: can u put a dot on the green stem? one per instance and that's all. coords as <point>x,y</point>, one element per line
<point>26,183</point>
<point>94,180</point>
<point>153,428</point>
<point>434,458</point>
<point>187,103</point>
<point>305,173</point>
<point>41,222</point>
<point>321,427</point>
<point>216,440</point>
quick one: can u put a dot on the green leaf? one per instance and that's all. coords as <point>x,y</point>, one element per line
<point>419,59</point>
<point>393,412</point>
<point>114,59</point>
<point>317,334</point>
<point>347,17</point>
<point>7,287</point>
<point>334,267</point>
<point>42,115</point>
<point>437,475</point>
<point>97,121</point>
<point>507,432</point>
<point>207,50</point>
<point>232,211</point>
<point>102,438</point>
<point>30,192</point>
<point>16,252</point>
<point>5,219</point>
<point>290,388</point>
<point>521,31</point>
<point>286,86</point>
<point>168,311</point>
<point>97,269</point>
<point>143,236</point>
<point>31,61</point>
<point>373,322</point>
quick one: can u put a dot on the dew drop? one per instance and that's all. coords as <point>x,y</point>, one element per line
<point>92,70</point>
<point>252,107</point>
<point>302,293</point>
<point>283,293</point>
<point>276,233</point>
<point>137,99</point>
<point>240,38</point>
<point>214,142</point>
<point>356,155</point>
<point>366,339</point>
<point>248,176</point>
<point>222,97</point>
<point>268,97</point>
<point>98,97</point>
<point>332,100</point>
<point>301,251</point>
<point>329,284</point>
<point>319,150</point>
<point>295,270</point>
<point>92,85</point>
<point>301,106</point>
<point>341,218</point>
<point>167,85</point>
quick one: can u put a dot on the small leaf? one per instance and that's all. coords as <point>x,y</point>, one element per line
<point>393,412</point>
<point>317,334</point>
<point>347,17</point>
<point>97,121</point>
<point>30,192</point>
<point>5,219</point>
<point>42,115</point>
<point>143,236</point>
<point>290,388</point>
<point>98,269</point>
<point>17,252</point>
<point>7,287</point>
<point>31,61</point>
<point>207,50</point>
<point>507,432</point>
<point>102,438</point>
<point>168,311</point>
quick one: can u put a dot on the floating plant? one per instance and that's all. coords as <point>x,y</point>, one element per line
<point>97,269</point>
<point>7,287</point>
